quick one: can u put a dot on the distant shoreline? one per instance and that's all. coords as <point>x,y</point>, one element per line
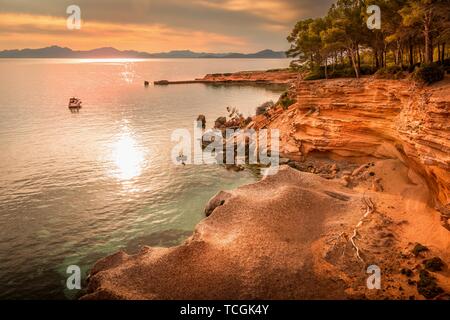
<point>56,52</point>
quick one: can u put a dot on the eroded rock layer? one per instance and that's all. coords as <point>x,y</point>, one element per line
<point>373,118</point>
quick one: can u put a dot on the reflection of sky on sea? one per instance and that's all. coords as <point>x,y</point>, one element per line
<point>88,184</point>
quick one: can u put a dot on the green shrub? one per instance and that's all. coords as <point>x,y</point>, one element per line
<point>286,101</point>
<point>366,70</point>
<point>413,67</point>
<point>446,65</point>
<point>347,72</point>
<point>338,72</point>
<point>315,74</point>
<point>394,69</point>
<point>262,109</point>
<point>429,73</point>
<point>391,72</point>
<point>278,70</point>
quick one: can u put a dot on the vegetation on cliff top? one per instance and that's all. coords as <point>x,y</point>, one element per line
<point>413,34</point>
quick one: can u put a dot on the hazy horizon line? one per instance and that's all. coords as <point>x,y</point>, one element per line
<point>139,51</point>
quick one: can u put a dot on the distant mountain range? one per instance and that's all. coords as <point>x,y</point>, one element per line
<point>108,52</point>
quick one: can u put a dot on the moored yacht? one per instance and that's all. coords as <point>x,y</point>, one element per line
<point>74,103</point>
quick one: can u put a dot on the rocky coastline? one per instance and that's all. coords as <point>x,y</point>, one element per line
<point>269,77</point>
<point>365,181</point>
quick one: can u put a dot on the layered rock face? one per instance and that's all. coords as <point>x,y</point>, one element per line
<point>370,118</point>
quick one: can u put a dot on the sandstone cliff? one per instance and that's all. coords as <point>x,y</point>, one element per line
<point>385,119</point>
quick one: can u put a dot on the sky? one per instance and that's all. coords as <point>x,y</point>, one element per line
<point>156,25</point>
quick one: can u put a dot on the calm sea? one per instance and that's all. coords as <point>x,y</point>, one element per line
<point>77,187</point>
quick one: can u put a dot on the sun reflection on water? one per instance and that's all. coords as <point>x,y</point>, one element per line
<point>128,157</point>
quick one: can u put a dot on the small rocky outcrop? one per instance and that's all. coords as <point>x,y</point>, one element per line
<point>216,201</point>
<point>282,76</point>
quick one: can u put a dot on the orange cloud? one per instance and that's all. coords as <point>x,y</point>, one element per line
<point>26,30</point>
<point>270,9</point>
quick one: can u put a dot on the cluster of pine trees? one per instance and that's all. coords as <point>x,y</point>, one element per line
<point>413,32</point>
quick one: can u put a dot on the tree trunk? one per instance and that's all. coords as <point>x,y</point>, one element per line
<point>359,58</point>
<point>401,57</point>
<point>411,55</point>
<point>353,61</point>
<point>443,50</point>
<point>427,35</point>
<point>334,60</point>
<point>377,61</point>
<point>397,54</point>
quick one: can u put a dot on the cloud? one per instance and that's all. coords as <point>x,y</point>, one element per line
<point>20,28</point>
<point>268,9</point>
<point>209,24</point>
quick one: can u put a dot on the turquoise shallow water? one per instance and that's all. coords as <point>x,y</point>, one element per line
<point>76,187</point>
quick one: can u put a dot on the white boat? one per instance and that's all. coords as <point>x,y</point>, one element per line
<point>74,103</point>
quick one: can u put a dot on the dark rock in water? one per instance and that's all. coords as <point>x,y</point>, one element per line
<point>427,285</point>
<point>202,119</point>
<point>216,201</point>
<point>162,82</point>
<point>418,248</point>
<point>434,264</point>
<point>234,167</point>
